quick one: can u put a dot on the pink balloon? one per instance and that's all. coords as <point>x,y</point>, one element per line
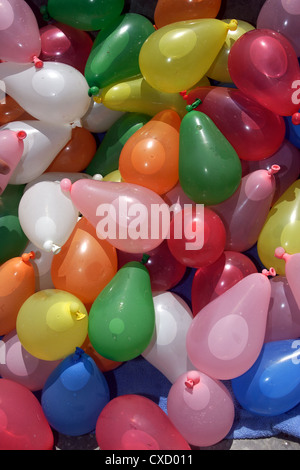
<point>11,151</point>
<point>127,215</point>
<point>212,281</point>
<point>201,408</point>
<point>23,423</point>
<point>292,271</point>
<point>133,422</point>
<point>63,43</point>
<point>282,16</point>
<point>288,158</point>
<point>284,314</point>
<point>164,270</point>
<point>263,64</point>
<point>246,211</point>
<point>19,32</point>
<point>226,336</point>
<point>20,366</point>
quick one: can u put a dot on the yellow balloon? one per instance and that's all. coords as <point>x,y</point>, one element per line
<point>175,57</point>
<point>137,96</point>
<point>219,69</point>
<point>282,228</point>
<point>114,176</point>
<point>51,324</point>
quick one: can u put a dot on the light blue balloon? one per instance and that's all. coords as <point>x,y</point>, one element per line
<point>272,385</point>
<point>74,395</point>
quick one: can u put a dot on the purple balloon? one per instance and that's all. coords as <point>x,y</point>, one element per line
<point>282,16</point>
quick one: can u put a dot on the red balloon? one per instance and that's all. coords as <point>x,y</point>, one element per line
<point>164,270</point>
<point>263,64</point>
<point>211,281</point>
<point>254,131</point>
<point>197,236</point>
<point>23,425</point>
<point>63,43</point>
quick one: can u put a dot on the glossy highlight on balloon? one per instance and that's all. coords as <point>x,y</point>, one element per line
<point>150,157</point>
<point>142,425</point>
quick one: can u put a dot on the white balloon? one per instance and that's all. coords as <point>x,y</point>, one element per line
<point>43,142</point>
<point>99,118</point>
<point>42,267</point>
<point>167,349</point>
<point>47,215</point>
<point>58,176</point>
<point>55,93</point>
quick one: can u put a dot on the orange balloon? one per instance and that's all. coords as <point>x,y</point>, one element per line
<point>10,111</point>
<point>85,264</point>
<point>171,11</point>
<point>103,363</point>
<point>77,154</point>
<point>17,283</point>
<point>150,156</point>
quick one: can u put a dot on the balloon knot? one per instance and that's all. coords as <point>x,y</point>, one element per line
<point>193,379</point>
<point>66,184</point>
<point>93,91</point>
<point>184,94</point>
<point>27,256</point>
<point>296,119</point>
<point>155,27</point>
<point>98,177</point>
<point>78,354</point>
<point>233,25</point>
<point>49,247</point>
<point>44,13</point>
<point>21,135</point>
<point>267,273</point>
<point>280,253</point>
<point>274,169</point>
<point>97,99</point>
<point>145,259</point>
<point>194,105</point>
<point>38,63</point>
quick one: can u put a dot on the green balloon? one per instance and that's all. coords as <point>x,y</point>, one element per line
<point>115,54</point>
<point>122,318</point>
<point>210,170</point>
<point>106,158</point>
<point>86,15</point>
<point>13,239</point>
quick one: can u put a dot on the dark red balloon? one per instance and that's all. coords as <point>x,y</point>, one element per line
<point>211,281</point>
<point>65,44</point>
<point>197,236</point>
<point>164,270</point>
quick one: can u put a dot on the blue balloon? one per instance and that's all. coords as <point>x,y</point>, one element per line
<point>74,395</point>
<point>272,385</point>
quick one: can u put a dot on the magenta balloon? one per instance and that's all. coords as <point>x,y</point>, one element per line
<point>19,32</point>
<point>134,422</point>
<point>63,43</point>
<point>211,281</point>
<point>11,151</point>
<point>164,270</point>
<point>282,16</point>
<point>288,158</point>
<point>254,131</point>
<point>201,408</point>
<point>263,64</point>
<point>226,336</point>
<point>246,211</point>
<point>284,314</point>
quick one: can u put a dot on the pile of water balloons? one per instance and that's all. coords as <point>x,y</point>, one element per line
<point>127,158</point>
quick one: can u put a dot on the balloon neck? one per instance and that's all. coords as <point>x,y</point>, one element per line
<point>97,99</point>
<point>76,123</point>
<point>193,379</point>
<point>28,256</point>
<point>75,311</point>
<point>51,247</point>
<point>66,185</point>
<point>267,273</point>
<point>280,253</point>
<point>296,119</point>
<point>273,170</point>
<point>38,63</point>
<point>44,13</point>
<point>193,106</point>
<point>94,91</point>
<point>78,354</point>
<point>145,259</point>
<point>233,25</point>
<point>21,135</point>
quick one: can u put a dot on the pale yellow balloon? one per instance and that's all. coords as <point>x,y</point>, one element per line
<point>282,228</point>
<point>114,176</point>
<point>175,57</point>
<point>219,69</point>
<point>51,324</point>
